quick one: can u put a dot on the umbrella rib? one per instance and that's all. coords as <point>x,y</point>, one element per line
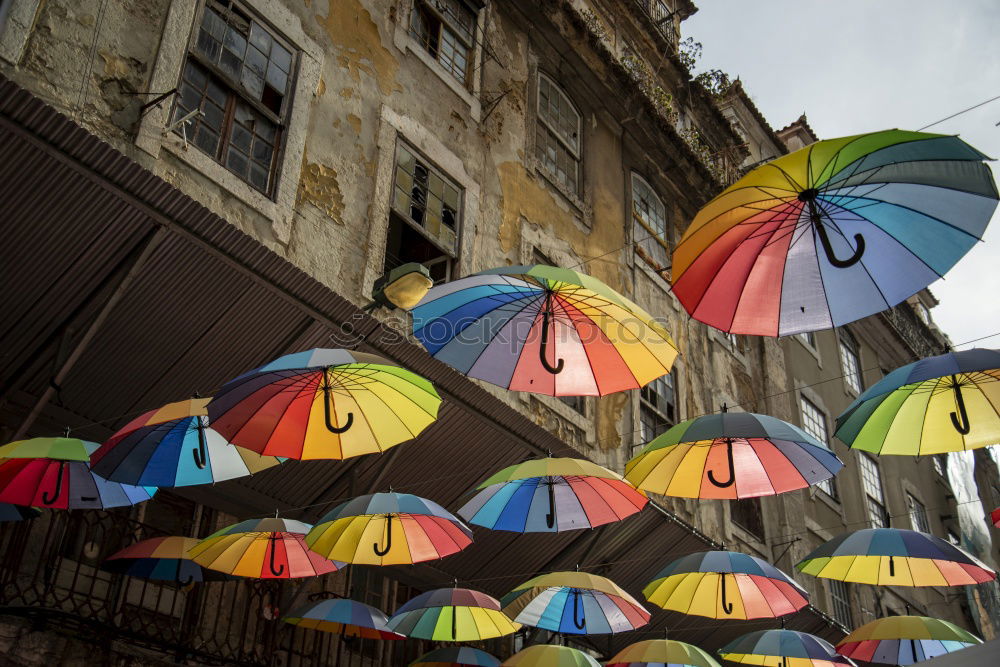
<point>482,351</point>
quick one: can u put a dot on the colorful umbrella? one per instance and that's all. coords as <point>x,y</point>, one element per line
<point>452,615</point>
<point>9,512</point>
<point>550,655</point>
<point>456,656</point>
<point>904,640</point>
<point>263,549</point>
<point>725,584</point>
<point>731,455</point>
<point>895,557</point>
<point>55,472</point>
<point>834,232</point>
<point>782,648</point>
<point>343,617</point>
<point>324,404</point>
<point>543,329</point>
<point>551,495</point>
<point>995,517</point>
<point>662,653</point>
<point>174,446</point>
<point>947,403</point>
<point>388,529</point>
<point>574,603</point>
<point>161,559</point>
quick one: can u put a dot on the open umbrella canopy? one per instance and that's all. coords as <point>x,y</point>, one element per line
<point>9,512</point>
<point>160,559</point>
<point>725,584</point>
<point>575,603</point>
<point>834,232</point>
<point>894,557</point>
<point>551,495</point>
<point>343,617</point>
<point>904,640</point>
<point>731,455</point>
<point>174,446</point>
<point>55,473</point>
<point>269,548</point>
<point>550,655</point>
<point>662,653</point>
<point>543,329</point>
<point>452,615</point>
<point>782,648</point>
<point>324,404</point>
<point>995,517</point>
<point>947,403</point>
<point>388,529</point>
<point>456,656</point>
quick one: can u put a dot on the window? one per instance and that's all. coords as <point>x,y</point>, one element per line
<point>840,602</point>
<point>808,337</point>
<point>918,514</point>
<point>736,344</point>
<point>557,137</point>
<point>924,312</point>
<point>660,13</point>
<point>425,218</point>
<point>939,464</point>
<point>650,228</point>
<point>874,498</point>
<point>238,75</point>
<point>657,408</point>
<point>850,361</point>
<point>814,423</point>
<point>446,29</point>
<point>953,538</point>
<point>747,515</point>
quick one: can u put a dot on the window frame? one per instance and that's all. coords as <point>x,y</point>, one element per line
<point>848,348</point>
<point>918,514</point>
<point>661,418</point>
<point>754,502</point>
<point>637,218</point>
<point>577,153</point>
<point>827,486</point>
<point>839,593</point>
<point>446,23</point>
<point>879,501</point>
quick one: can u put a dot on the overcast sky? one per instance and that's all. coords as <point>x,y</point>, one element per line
<point>863,65</point>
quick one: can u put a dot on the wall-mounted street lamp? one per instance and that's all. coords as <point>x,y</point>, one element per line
<point>402,287</point>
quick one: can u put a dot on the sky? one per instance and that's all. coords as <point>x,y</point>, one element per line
<point>864,65</point>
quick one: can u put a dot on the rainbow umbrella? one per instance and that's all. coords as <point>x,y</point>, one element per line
<point>324,404</point>
<point>834,232</point>
<point>55,472</point>
<point>662,653</point>
<point>174,446</point>
<point>895,557</point>
<point>343,617</point>
<point>904,640</point>
<point>731,455</point>
<point>160,559</point>
<point>456,656</point>
<point>947,403</point>
<point>543,329</point>
<point>995,517</point>
<point>782,648</point>
<point>550,655</point>
<point>551,495</point>
<point>388,529</point>
<point>574,603</point>
<point>725,584</point>
<point>9,512</point>
<point>269,548</point>
<point>452,615</point>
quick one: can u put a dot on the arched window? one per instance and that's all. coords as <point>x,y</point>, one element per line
<point>557,138</point>
<point>850,361</point>
<point>650,228</point>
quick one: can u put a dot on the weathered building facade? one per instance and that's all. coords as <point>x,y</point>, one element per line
<point>345,137</point>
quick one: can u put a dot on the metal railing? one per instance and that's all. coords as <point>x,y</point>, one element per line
<point>658,11</point>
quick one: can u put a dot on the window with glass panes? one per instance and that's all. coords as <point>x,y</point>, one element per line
<point>840,602</point>
<point>918,514</point>
<point>238,75</point>
<point>850,361</point>
<point>808,337</point>
<point>557,136</point>
<point>657,407</point>
<point>650,227</point>
<point>871,480</point>
<point>425,219</point>
<point>814,423</point>
<point>747,514</point>
<point>939,463</point>
<point>446,29</point>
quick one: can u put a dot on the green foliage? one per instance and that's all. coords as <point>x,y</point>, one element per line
<point>689,51</point>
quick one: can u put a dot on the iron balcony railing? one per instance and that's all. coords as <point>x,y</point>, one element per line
<point>658,11</point>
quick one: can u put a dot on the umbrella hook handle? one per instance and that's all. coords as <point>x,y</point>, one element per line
<point>732,468</point>
<point>280,569</point>
<point>327,413</point>
<point>580,621</point>
<point>200,453</point>
<point>726,606</point>
<point>550,518</point>
<point>58,490</point>
<point>824,240</point>
<point>186,580</point>
<point>960,420</point>
<point>543,348</point>
<point>381,551</point>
